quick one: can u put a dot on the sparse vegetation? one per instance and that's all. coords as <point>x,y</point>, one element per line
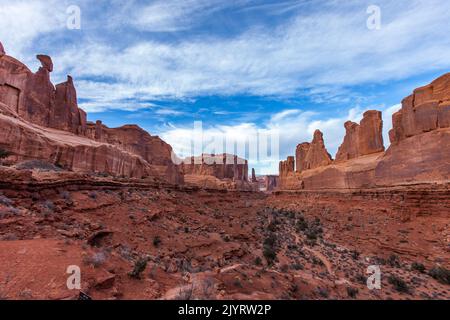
<point>418,267</point>
<point>399,284</point>
<point>394,261</point>
<point>352,292</point>
<point>441,274</point>
<point>269,250</point>
<point>156,241</point>
<point>361,279</point>
<point>323,292</point>
<point>302,225</point>
<point>96,260</point>
<point>139,267</point>
<point>37,165</point>
<point>4,154</point>
<point>270,254</point>
<point>312,230</point>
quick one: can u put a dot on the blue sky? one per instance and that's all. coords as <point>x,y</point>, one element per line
<point>239,66</point>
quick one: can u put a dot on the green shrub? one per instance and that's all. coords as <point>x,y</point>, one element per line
<point>418,267</point>
<point>4,153</point>
<point>440,274</point>
<point>352,292</point>
<point>270,254</point>
<point>156,241</point>
<point>270,240</point>
<point>394,261</point>
<point>139,267</point>
<point>399,284</point>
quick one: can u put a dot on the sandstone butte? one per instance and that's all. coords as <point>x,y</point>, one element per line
<point>419,152</point>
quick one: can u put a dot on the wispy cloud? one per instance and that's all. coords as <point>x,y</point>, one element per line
<point>318,52</point>
<point>176,15</point>
<point>292,127</point>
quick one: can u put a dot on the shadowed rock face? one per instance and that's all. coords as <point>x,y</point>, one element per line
<point>2,50</point>
<point>287,167</point>
<point>300,156</point>
<point>31,107</point>
<point>254,175</point>
<point>427,109</point>
<point>362,139</point>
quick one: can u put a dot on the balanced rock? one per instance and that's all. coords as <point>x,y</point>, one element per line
<point>46,62</point>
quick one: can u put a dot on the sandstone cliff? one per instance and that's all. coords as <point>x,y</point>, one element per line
<point>41,121</point>
<point>427,109</point>
<point>362,139</point>
<point>419,151</point>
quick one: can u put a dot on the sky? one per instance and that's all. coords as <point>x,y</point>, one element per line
<point>274,70</point>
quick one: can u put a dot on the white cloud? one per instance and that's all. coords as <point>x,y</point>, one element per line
<point>175,15</point>
<point>317,53</point>
<point>292,126</point>
<point>21,22</point>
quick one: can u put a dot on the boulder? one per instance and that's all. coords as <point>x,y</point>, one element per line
<point>46,62</point>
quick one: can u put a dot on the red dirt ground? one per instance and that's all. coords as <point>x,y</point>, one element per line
<point>206,244</point>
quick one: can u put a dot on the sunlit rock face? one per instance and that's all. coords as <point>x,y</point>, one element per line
<point>419,150</point>
<point>43,121</point>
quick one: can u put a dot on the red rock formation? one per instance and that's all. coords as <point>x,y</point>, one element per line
<point>254,175</point>
<point>419,153</point>
<point>427,109</point>
<point>46,62</point>
<point>300,156</point>
<point>286,167</point>
<point>2,50</point>
<point>271,182</point>
<point>317,155</point>
<point>223,166</point>
<point>67,116</point>
<point>362,139</point>
<point>38,106</point>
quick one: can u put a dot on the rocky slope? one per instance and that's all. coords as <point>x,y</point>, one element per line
<point>209,244</point>
<point>419,150</point>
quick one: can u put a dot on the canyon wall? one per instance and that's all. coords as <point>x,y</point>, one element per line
<point>222,166</point>
<point>41,121</point>
<point>419,152</point>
